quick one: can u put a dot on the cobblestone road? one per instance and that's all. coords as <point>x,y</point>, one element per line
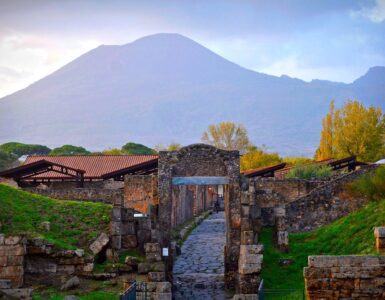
<point>199,270</point>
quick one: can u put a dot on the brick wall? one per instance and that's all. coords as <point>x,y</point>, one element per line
<point>345,277</point>
<point>140,191</point>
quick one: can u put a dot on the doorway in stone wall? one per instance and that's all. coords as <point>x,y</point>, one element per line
<point>198,272</point>
<point>197,167</point>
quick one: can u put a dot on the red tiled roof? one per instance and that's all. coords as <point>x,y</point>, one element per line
<point>93,165</point>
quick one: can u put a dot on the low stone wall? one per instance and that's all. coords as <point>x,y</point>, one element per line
<point>345,277</point>
<point>12,251</point>
<point>325,204</point>
<point>80,194</point>
<point>45,265</point>
<point>274,192</point>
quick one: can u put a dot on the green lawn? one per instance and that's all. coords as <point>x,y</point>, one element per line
<point>73,224</point>
<point>352,234</point>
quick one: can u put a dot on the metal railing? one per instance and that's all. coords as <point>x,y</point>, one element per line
<point>280,294</point>
<point>136,291</point>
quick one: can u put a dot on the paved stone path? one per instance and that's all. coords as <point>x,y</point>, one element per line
<point>199,270</point>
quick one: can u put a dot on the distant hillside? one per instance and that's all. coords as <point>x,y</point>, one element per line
<point>166,87</point>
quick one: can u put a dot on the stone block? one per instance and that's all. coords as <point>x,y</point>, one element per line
<point>5,284</point>
<point>153,257</point>
<point>152,248</point>
<point>3,261</point>
<point>79,252</point>
<point>158,267</point>
<point>163,296</point>
<point>163,287</point>
<point>117,214</point>
<point>100,243</point>
<point>283,241</point>
<point>18,293</point>
<point>88,267</point>
<point>144,236</point>
<point>246,224</point>
<point>14,260</point>
<point>116,228</point>
<point>127,215</point>
<point>144,224</point>
<point>255,211</point>
<point>144,268</point>
<point>66,269</point>
<point>116,242</point>
<point>129,241</point>
<point>250,259</point>
<point>70,284</point>
<point>157,276</point>
<point>245,209</point>
<point>13,240</point>
<point>128,228</point>
<point>2,239</point>
<point>247,237</point>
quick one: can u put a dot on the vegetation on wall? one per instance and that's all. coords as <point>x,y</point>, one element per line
<point>134,148</point>
<point>73,224</point>
<point>353,130</point>
<point>69,150</point>
<point>310,171</point>
<point>371,185</point>
<point>352,234</point>
<point>170,147</point>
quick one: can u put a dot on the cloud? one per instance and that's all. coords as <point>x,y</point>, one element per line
<point>375,14</point>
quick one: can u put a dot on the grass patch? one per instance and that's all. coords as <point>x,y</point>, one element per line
<point>74,224</point>
<point>352,234</point>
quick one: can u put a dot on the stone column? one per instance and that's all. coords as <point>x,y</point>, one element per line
<point>379,234</point>
<point>281,234</point>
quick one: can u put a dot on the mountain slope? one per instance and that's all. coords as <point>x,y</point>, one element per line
<point>165,88</point>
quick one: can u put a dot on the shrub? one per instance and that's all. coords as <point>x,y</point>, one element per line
<point>371,185</point>
<point>309,171</point>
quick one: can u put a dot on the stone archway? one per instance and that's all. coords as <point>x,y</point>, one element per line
<point>204,161</point>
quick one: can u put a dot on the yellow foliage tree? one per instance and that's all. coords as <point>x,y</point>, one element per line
<point>227,136</point>
<point>256,157</point>
<point>353,130</point>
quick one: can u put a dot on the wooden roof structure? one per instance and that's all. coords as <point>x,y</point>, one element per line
<point>86,167</point>
<point>264,171</point>
<point>37,168</point>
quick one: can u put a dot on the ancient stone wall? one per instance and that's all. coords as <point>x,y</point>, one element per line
<point>325,204</point>
<point>12,251</point>
<point>345,277</point>
<point>140,192</point>
<point>273,192</point>
<point>203,160</point>
<point>80,194</point>
<point>48,266</point>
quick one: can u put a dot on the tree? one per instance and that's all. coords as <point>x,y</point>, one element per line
<point>227,136</point>
<point>112,151</point>
<point>170,147</point>
<point>326,149</point>
<point>20,149</point>
<point>133,148</point>
<point>256,158</point>
<point>7,160</point>
<point>353,130</point>
<point>69,150</point>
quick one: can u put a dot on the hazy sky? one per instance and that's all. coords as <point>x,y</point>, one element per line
<point>325,39</point>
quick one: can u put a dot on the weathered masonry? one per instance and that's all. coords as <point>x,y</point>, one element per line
<point>206,165</point>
